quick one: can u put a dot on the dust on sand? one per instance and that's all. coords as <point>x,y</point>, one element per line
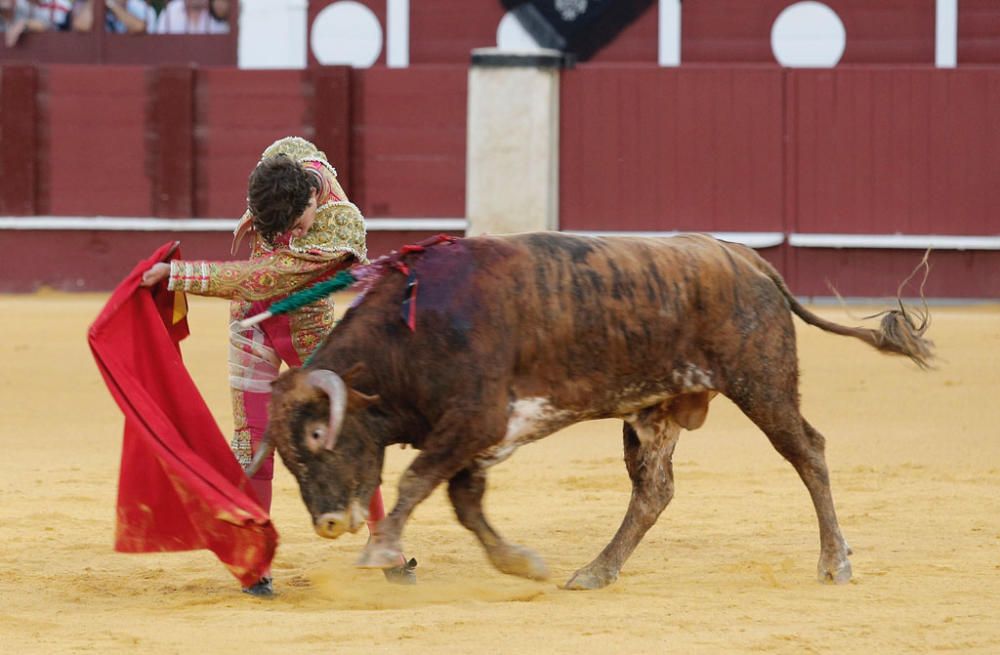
<point>729,568</point>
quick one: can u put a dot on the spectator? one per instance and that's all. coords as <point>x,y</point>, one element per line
<point>53,14</point>
<point>13,19</point>
<point>19,16</point>
<point>128,16</point>
<point>219,9</point>
<point>120,16</point>
<point>189,17</point>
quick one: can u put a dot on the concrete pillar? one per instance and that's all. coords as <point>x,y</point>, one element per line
<point>512,158</point>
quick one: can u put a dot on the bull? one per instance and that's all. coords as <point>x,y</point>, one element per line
<point>516,337</point>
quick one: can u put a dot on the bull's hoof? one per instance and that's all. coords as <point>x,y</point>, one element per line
<point>402,574</point>
<point>838,572</point>
<point>588,579</point>
<point>375,556</point>
<point>263,588</point>
<point>519,561</point>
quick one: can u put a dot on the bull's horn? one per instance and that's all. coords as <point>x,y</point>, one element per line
<point>335,388</point>
<point>265,449</point>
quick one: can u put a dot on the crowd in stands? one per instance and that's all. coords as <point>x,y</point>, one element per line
<point>120,16</point>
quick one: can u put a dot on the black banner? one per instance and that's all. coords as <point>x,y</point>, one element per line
<point>580,27</point>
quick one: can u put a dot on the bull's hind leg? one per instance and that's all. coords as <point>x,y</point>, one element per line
<point>649,453</point>
<point>466,493</point>
<point>803,446</point>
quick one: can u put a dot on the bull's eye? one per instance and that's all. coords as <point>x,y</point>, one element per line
<point>316,437</point>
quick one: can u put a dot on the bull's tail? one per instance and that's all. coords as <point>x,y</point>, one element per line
<point>901,331</point>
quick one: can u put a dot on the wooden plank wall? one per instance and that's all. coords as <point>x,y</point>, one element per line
<point>978,32</point>
<point>888,31</point>
<point>881,151</point>
<point>408,156</point>
<point>872,150</point>
<point>720,148</point>
<point>857,151</point>
<point>93,128</point>
<point>671,149</point>
<point>238,114</point>
<point>18,139</point>
<point>181,141</point>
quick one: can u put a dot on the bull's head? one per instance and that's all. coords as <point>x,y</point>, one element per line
<point>316,427</point>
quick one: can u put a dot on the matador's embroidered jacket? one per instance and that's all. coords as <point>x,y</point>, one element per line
<point>288,264</point>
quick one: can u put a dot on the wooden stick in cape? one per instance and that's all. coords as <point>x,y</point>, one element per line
<point>307,296</point>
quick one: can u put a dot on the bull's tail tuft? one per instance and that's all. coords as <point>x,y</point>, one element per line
<point>901,331</point>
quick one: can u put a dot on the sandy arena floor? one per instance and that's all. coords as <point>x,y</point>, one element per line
<point>730,567</point>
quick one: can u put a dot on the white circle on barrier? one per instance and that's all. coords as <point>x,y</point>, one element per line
<point>511,35</point>
<point>346,33</point>
<point>808,35</point>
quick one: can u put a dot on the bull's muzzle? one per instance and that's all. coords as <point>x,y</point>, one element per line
<point>333,524</point>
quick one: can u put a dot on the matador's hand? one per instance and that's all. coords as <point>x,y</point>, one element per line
<point>157,273</point>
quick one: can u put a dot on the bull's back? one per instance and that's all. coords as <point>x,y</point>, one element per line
<point>583,310</point>
<point>589,286</point>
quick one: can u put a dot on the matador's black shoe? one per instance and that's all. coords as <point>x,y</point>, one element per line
<point>402,574</point>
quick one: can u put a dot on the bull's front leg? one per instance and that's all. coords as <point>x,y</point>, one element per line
<point>447,451</point>
<point>466,493</point>
<point>384,550</point>
<point>649,449</point>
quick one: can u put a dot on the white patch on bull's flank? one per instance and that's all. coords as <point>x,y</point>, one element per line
<point>690,378</point>
<point>525,416</point>
<point>528,419</point>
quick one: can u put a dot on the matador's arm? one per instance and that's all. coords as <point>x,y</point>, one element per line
<point>276,274</point>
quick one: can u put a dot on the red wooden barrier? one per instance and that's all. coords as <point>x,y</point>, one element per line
<point>881,151</point>
<point>441,35</point>
<point>238,114</point>
<point>671,149</point>
<point>181,142</point>
<point>978,32</point>
<point>737,31</point>
<point>754,148</point>
<point>95,130</point>
<point>18,139</point>
<point>170,141</point>
<point>878,273</point>
<point>331,117</point>
<point>408,146</point>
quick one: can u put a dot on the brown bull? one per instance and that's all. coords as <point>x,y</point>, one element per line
<point>519,336</point>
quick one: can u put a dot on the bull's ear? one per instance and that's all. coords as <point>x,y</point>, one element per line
<point>353,373</point>
<point>357,400</point>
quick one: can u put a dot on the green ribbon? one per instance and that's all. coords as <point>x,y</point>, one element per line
<point>309,295</point>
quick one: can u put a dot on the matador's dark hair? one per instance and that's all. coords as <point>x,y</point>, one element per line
<point>278,193</point>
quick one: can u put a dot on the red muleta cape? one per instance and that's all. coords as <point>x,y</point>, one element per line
<point>180,487</point>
